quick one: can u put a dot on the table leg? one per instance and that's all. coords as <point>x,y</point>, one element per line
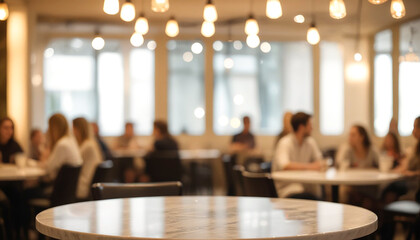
<point>335,193</point>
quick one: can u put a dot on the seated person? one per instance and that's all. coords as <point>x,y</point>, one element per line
<point>8,145</point>
<point>359,153</point>
<point>298,151</point>
<point>106,152</point>
<point>163,162</point>
<point>91,155</point>
<point>37,144</point>
<point>244,140</point>
<point>128,139</point>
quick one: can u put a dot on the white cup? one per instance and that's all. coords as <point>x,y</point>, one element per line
<point>385,163</point>
<point>20,160</point>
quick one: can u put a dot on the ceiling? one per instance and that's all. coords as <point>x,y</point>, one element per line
<point>189,14</point>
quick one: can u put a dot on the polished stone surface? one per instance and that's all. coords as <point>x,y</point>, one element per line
<point>206,218</point>
<point>355,177</point>
<point>10,172</point>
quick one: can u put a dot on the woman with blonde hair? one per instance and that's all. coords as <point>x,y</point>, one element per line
<point>90,152</point>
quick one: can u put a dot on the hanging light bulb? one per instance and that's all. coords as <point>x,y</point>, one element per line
<point>136,39</point>
<point>98,43</point>
<point>337,9</point>
<point>252,41</point>
<point>160,5</point>
<point>397,9</point>
<point>111,7</point>
<point>4,11</point>
<point>377,2</point>
<point>142,25</point>
<point>172,29</point>
<point>251,26</point>
<point>273,9</point>
<point>208,29</point>
<point>313,35</point>
<point>128,11</point>
<point>358,57</point>
<point>210,12</point>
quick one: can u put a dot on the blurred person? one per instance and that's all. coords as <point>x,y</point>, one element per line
<point>37,144</point>
<point>393,127</point>
<point>163,141</point>
<point>244,140</point>
<point>298,151</point>
<point>127,140</point>
<point>91,155</point>
<point>106,152</point>
<point>287,127</point>
<point>8,145</point>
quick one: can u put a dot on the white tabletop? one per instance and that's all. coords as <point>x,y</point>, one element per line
<point>10,172</point>
<point>356,177</point>
<point>202,218</point>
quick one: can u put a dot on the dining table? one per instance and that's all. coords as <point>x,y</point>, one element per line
<point>336,178</point>
<point>206,218</point>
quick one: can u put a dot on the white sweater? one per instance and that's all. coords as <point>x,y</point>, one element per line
<point>91,156</point>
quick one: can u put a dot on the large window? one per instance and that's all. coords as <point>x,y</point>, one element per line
<point>409,76</point>
<point>383,82</point>
<point>331,89</point>
<point>261,83</point>
<point>186,101</point>
<point>111,86</point>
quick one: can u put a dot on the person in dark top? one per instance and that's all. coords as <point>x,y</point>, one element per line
<point>163,140</point>
<point>244,140</point>
<point>106,152</point>
<point>8,146</point>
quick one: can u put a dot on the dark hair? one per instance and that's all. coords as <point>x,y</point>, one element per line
<point>162,126</point>
<point>13,125</point>
<point>366,140</point>
<point>394,138</point>
<point>298,119</point>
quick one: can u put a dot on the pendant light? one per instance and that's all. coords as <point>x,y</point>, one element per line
<point>160,5</point>
<point>312,36</point>
<point>142,25</point>
<point>98,43</point>
<point>4,11</point>
<point>128,11</point>
<point>397,9</point>
<point>210,12</point>
<point>111,7</point>
<point>136,39</point>
<point>208,29</point>
<point>273,9</point>
<point>377,2</point>
<point>252,40</point>
<point>172,28</point>
<point>358,56</point>
<point>337,9</point>
<point>251,26</point>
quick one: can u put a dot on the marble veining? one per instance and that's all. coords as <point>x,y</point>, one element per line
<point>206,218</point>
<point>334,177</point>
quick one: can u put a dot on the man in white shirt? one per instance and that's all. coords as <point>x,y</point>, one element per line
<point>297,151</point>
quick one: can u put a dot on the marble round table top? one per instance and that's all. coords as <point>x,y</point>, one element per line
<point>201,217</point>
<point>10,172</point>
<point>356,177</point>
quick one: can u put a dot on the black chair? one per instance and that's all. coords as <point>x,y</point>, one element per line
<point>104,172</point>
<point>406,212</point>
<point>238,180</point>
<point>259,185</point>
<point>163,166</point>
<point>228,162</point>
<point>102,191</point>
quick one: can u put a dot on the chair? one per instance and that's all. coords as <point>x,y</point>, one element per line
<point>104,172</point>
<point>102,191</point>
<point>259,185</point>
<point>238,180</point>
<point>164,166</point>
<point>228,162</point>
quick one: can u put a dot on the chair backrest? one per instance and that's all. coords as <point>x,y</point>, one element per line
<point>65,186</point>
<point>228,163</point>
<point>102,191</point>
<point>238,180</point>
<point>259,185</point>
<point>164,166</point>
<point>104,172</point>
